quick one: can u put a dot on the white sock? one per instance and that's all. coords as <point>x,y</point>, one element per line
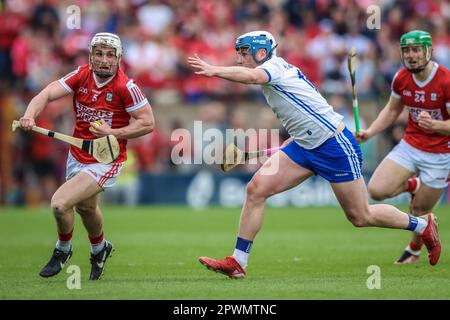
<point>241,257</point>
<point>421,225</point>
<point>415,253</point>
<point>96,248</point>
<point>64,245</point>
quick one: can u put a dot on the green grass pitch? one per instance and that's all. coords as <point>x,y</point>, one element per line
<point>301,253</point>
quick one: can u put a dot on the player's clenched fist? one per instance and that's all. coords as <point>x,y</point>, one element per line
<point>27,123</point>
<point>100,128</point>
<point>425,121</point>
<point>361,136</point>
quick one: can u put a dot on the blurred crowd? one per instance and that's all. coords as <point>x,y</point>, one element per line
<point>40,42</point>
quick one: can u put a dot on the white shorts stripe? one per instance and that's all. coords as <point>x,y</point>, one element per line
<point>353,155</point>
<point>344,147</point>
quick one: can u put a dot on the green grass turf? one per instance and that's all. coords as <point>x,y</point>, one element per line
<point>301,253</point>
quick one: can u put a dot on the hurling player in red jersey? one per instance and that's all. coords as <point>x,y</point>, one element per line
<point>420,163</point>
<point>104,100</point>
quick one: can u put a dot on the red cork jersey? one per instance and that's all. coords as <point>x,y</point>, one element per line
<point>432,96</point>
<point>111,101</point>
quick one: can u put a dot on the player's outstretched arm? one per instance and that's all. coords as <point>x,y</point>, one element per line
<point>236,73</point>
<point>439,126</point>
<point>385,118</point>
<point>50,93</point>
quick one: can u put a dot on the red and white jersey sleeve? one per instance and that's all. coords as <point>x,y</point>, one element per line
<point>133,97</point>
<point>432,96</point>
<point>72,80</point>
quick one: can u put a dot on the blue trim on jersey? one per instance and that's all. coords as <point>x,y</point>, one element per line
<point>338,159</point>
<point>302,76</point>
<point>268,73</point>
<point>308,108</point>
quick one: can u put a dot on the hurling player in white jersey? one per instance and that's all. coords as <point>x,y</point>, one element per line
<point>319,144</point>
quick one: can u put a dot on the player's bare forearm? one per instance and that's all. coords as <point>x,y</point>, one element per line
<point>442,127</point>
<point>386,117</point>
<point>235,73</point>
<point>50,93</point>
<point>240,74</point>
<point>144,123</point>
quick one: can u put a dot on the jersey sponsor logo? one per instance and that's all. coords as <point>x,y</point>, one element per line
<point>341,174</point>
<point>434,113</point>
<point>407,93</point>
<point>88,114</point>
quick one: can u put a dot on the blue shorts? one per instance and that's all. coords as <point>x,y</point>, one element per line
<point>337,160</point>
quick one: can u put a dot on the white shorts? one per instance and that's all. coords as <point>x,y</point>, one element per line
<point>433,169</point>
<point>105,174</point>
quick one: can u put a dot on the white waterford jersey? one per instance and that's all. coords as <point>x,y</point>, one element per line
<point>302,110</point>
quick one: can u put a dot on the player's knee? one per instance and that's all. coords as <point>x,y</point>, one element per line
<point>376,192</point>
<point>359,219</point>
<point>360,222</point>
<point>255,190</point>
<point>59,205</point>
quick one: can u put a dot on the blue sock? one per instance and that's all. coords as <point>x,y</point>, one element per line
<point>416,224</point>
<point>242,251</point>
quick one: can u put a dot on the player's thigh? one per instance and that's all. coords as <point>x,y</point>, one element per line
<point>389,176</point>
<point>278,173</point>
<point>353,197</point>
<point>77,189</point>
<point>425,199</point>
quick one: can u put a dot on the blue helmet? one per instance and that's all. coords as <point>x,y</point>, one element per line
<point>256,40</point>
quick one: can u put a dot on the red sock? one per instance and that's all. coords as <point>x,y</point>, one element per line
<point>65,237</point>
<point>412,185</point>
<point>96,240</point>
<point>415,247</point>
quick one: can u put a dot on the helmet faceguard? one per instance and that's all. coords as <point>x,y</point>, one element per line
<point>413,39</point>
<point>109,40</point>
<point>256,40</point>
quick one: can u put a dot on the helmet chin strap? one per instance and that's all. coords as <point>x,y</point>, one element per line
<point>418,69</point>
<point>103,75</point>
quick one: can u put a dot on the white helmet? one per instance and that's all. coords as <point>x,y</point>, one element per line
<point>255,40</point>
<point>106,39</point>
<point>109,40</point>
